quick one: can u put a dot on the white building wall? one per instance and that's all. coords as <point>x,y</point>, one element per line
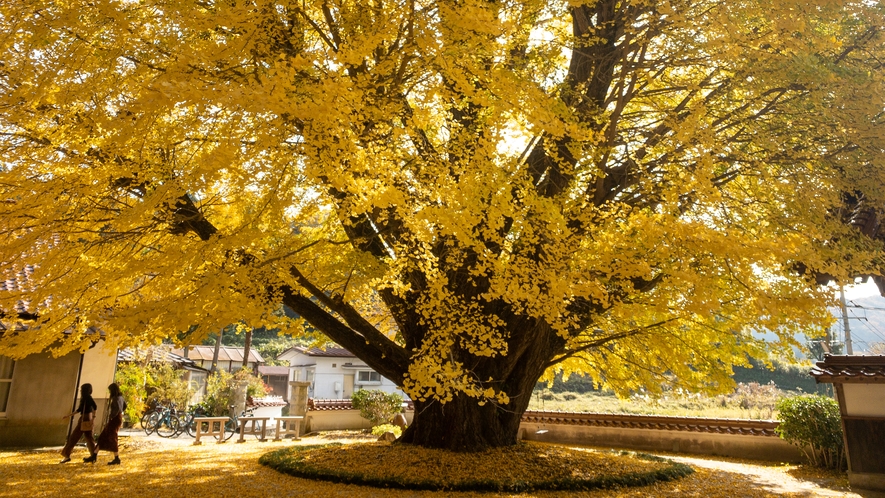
<point>329,375</point>
<point>99,367</point>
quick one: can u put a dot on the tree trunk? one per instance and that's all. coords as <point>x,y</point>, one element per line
<point>217,351</point>
<point>247,348</point>
<point>463,425</point>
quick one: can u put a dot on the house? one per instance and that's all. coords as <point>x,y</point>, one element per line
<point>230,359</point>
<point>334,372</point>
<point>38,390</point>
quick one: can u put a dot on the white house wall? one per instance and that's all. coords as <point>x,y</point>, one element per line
<point>99,367</point>
<point>329,380</point>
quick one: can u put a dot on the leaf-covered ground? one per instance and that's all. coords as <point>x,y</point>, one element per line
<point>525,466</point>
<point>176,468</point>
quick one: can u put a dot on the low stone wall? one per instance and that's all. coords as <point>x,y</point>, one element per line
<point>338,414</point>
<point>752,439</point>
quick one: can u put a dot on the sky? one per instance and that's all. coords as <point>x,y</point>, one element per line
<point>861,290</point>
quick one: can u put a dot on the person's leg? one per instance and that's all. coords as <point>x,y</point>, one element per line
<point>75,436</point>
<point>110,439</point>
<point>90,444</point>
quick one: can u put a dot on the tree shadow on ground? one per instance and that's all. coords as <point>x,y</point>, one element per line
<point>833,480</point>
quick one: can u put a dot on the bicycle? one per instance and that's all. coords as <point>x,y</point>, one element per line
<point>151,413</point>
<point>165,423</point>
<point>232,425</point>
<point>188,424</point>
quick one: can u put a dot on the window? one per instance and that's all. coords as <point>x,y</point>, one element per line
<point>368,376</point>
<point>6,367</point>
<point>309,375</point>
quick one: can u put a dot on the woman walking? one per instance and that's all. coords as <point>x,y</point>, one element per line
<point>83,427</point>
<point>107,440</point>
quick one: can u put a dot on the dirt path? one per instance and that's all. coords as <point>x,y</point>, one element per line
<point>779,480</point>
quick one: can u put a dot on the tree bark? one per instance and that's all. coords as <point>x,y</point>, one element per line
<point>462,425</point>
<point>247,347</point>
<point>216,352</point>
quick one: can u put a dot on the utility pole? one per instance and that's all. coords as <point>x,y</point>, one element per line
<point>845,321</point>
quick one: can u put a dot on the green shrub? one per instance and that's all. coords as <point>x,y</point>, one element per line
<point>221,390</point>
<point>813,423</point>
<point>376,406</point>
<point>132,379</point>
<point>146,382</point>
<point>379,430</point>
<point>169,386</point>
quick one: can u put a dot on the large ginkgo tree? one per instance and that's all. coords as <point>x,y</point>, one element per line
<point>469,195</point>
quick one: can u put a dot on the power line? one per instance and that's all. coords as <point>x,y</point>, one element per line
<point>874,329</point>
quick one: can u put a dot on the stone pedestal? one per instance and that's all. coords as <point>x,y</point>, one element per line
<point>239,397</point>
<point>860,387</point>
<point>298,401</point>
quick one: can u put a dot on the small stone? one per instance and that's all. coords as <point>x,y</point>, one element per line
<point>387,436</point>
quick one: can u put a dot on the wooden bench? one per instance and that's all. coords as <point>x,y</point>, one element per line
<point>292,426</point>
<point>210,428</point>
<point>252,422</point>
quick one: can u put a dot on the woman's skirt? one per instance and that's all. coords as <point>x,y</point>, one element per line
<point>107,440</point>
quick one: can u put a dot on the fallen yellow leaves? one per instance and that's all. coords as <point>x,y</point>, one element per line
<point>233,470</point>
<point>525,466</point>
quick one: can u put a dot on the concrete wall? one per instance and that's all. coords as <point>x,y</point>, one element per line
<point>42,391</point>
<point>337,420</point>
<point>45,388</point>
<point>753,447</point>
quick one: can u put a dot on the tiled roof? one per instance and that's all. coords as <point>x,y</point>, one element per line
<point>843,368</point>
<point>331,351</point>
<point>18,281</point>
<point>155,353</point>
<point>690,424</point>
<point>339,404</point>
<point>225,353</point>
<point>274,370</point>
<point>267,401</point>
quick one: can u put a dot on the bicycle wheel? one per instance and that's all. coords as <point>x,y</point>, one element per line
<point>145,417</point>
<point>190,426</point>
<point>168,426</point>
<point>182,424</point>
<point>230,427</point>
<point>150,425</point>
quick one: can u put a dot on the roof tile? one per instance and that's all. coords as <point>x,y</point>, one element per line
<point>844,368</point>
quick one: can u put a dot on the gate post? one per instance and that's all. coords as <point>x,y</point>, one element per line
<point>859,382</point>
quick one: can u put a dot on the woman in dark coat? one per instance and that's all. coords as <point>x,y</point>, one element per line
<point>107,440</point>
<point>86,410</point>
